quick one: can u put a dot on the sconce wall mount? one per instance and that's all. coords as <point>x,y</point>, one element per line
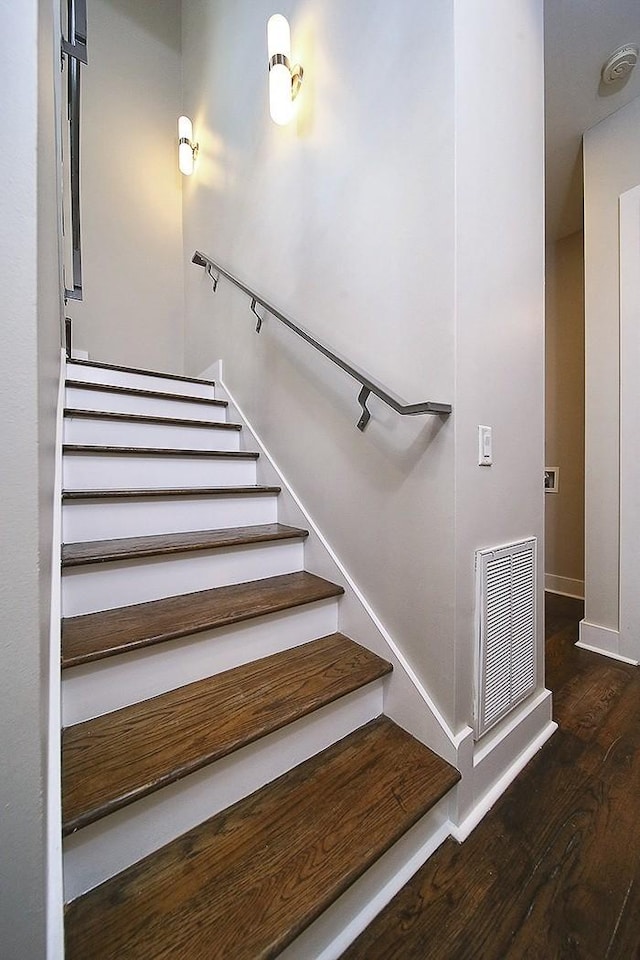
<point>296,72</point>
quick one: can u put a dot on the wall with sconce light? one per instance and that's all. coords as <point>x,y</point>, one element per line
<point>313,205</point>
<point>363,217</point>
<point>392,203</point>
<point>131,187</point>
<point>398,216</point>
<point>342,215</point>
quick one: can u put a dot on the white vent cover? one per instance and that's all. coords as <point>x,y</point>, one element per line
<point>506,650</point>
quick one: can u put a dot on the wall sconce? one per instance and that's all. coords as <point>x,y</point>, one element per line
<point>284,81</point>
<point>187,149</point>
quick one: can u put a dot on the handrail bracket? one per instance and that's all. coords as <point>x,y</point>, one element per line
<point>363,396</point>
<point>214,280</point>
<point>255,312</point>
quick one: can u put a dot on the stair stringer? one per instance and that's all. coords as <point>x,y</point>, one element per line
<point>406,699</point>
<point>406,702</point>
<point>487,768</point>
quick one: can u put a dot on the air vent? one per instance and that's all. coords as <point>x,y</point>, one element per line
<point>506,606</point>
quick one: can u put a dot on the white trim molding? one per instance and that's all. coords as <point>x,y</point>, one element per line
<point>628,647</point>
<point>602,640</point>
<point>564,586</point>
<point>489,766</point>
<point>55,897</point>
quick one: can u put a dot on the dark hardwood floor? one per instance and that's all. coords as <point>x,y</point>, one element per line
<point>553,871</point>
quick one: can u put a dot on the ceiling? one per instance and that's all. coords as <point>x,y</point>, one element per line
<point>579,36</point>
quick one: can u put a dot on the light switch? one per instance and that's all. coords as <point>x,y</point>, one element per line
<point>485,446</point>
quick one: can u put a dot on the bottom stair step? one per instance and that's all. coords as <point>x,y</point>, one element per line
<point>245,883</point>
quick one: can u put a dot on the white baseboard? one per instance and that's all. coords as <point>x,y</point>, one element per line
<point>494,762</point>
<point>462,830</point>
<point>602,640</point>
<point>565,586</point>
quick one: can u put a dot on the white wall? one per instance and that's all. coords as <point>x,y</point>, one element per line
<point>564,510</point>
<point>344,219</point>
<point>499,294</point>
<point>400,219</point>
<point>30,350</point>
<point>612,166</point>
<point>131,191</point>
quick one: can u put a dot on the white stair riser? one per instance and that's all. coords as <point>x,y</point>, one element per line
<point>88,471</point>
<point>106,685</point>
<point>102,849</point>
<point>103,519</point>
<point>103,586</point>
<point>119,433</point>
<point>119,378</point>
<point>80,399</point>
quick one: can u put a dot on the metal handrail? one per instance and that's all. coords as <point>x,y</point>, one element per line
<point>75,49</point>
<point>368,384</point>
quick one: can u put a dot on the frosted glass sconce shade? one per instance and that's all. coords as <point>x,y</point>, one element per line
<point>187,149</point>
<point>284,82</point>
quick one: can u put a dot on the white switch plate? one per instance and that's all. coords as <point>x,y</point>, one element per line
<point>485,446</point>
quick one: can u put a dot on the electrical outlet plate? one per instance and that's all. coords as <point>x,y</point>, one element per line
<point>551,479</point>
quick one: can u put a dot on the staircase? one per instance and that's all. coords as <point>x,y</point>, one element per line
<point>227,769</point>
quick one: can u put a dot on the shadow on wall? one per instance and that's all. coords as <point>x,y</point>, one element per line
<point>573,199</point>
<point>156,18</point>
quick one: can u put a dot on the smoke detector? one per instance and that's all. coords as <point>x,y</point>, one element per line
<point>620,63</point>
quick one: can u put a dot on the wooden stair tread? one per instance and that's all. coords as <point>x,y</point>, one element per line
<point>91,448</point>
<point>162,544</point>
<point>157,492</point>
<point>74,412</point>
<point>117,758</point>
<point>138,370</point>
<point>93,636</point>
<point>246,882</point>
<point>141,392</point>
